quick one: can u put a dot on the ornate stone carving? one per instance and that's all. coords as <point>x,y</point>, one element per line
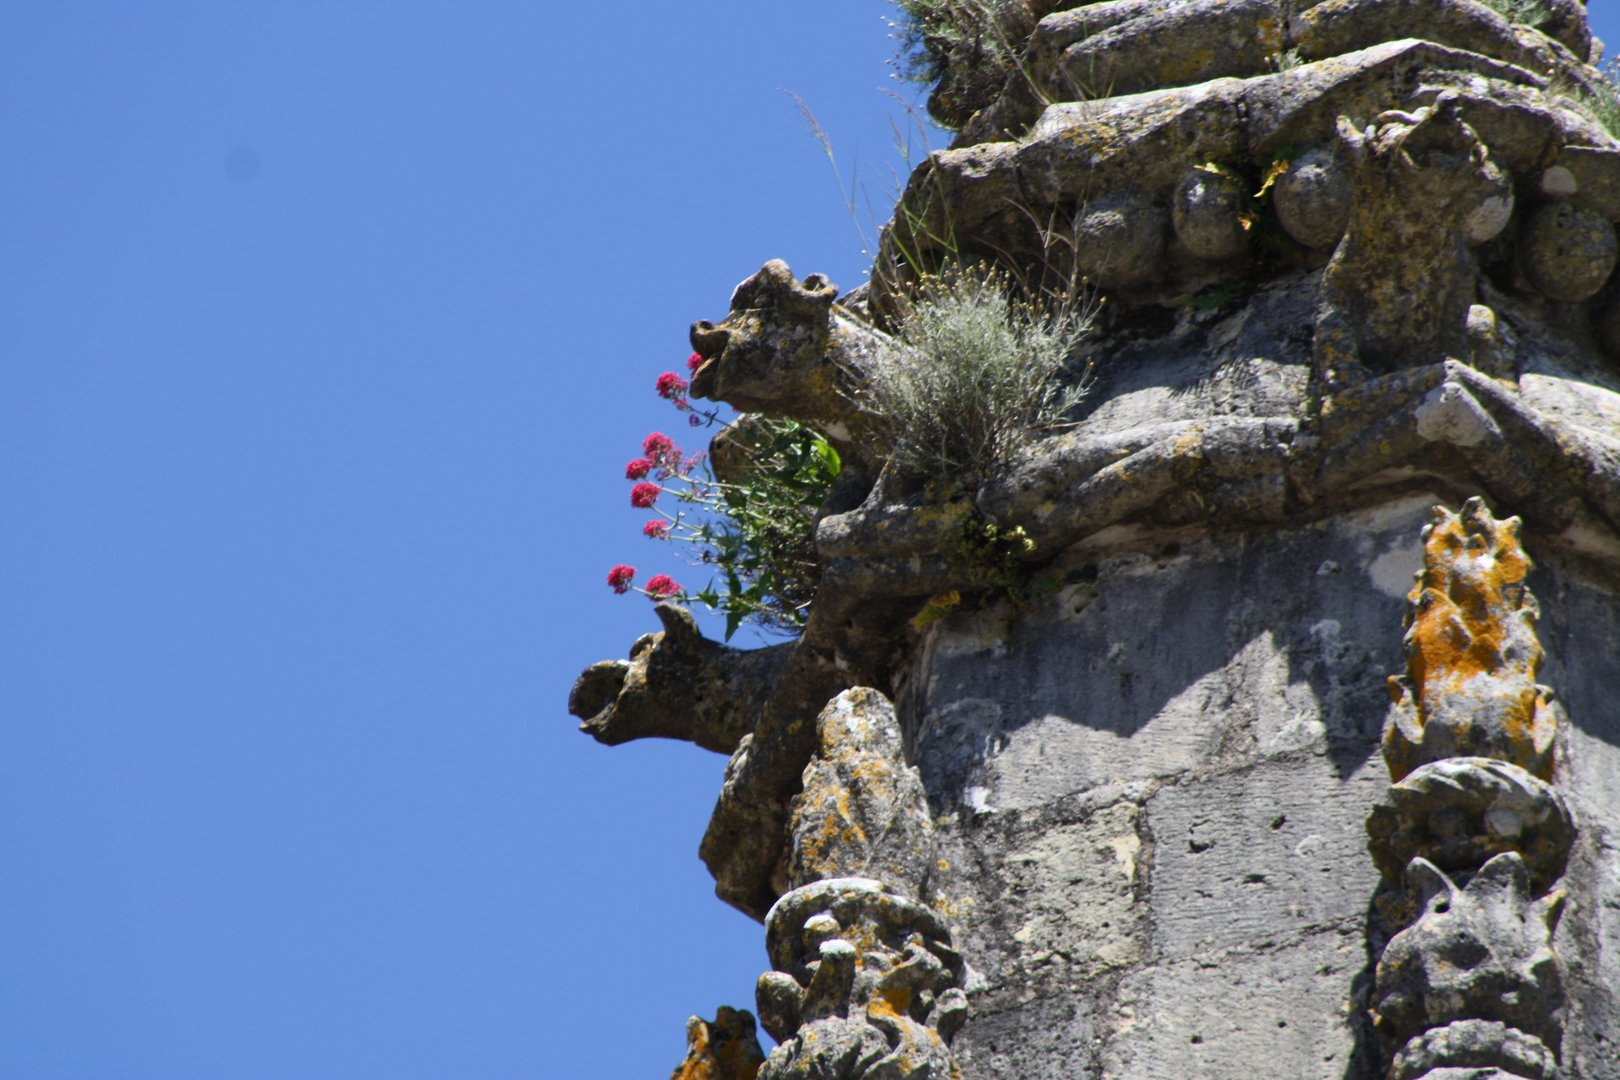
<point>788,350</point>
<point>1471,831</point>
<point>677,684</point>
<point>1477,952</point>
<point>1459,812</point>
<point>1471,652</point>
<point>1351,250</point>
<point>1400,282</point>
<point>866,986</point>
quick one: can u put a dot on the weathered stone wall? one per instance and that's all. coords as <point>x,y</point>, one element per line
<point>1153,792</point>
<point>1350,259</point>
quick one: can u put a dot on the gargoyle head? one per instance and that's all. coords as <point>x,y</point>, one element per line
<point>769,351</point>
<point>1477,952</point>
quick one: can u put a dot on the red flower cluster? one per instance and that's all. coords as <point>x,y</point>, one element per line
<point>662,462</point>
<point>661,449</point>
<point>660,586</point>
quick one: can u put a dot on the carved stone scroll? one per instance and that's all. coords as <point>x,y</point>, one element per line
<point>1472,832</point>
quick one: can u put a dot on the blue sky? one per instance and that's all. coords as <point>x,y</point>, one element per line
<point>325,332</point>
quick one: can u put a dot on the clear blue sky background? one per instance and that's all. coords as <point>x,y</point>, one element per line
<point>326,329</point>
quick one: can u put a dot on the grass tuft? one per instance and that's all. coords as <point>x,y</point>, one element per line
<point>1527,12</point>
<point>983,373</point>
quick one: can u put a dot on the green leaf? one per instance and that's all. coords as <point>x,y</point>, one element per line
<point>829,457</point>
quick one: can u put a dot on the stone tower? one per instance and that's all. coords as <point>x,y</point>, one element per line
<point>1301,768</point>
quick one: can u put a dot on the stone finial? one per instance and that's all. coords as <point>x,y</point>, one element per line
<point>725,1048</point>
<point>863,811</point>
<point>1471,651</point>
<point>1471,839</point>
<point>865,986</point>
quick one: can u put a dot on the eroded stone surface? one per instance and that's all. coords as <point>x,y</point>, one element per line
<point>1284,1008</point>
<point>677,684</point>
<point>1148,785</point>
<point>1477,952</point>
<point>862,811</point>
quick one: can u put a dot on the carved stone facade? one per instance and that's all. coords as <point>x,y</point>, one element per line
<point>1350,259</point>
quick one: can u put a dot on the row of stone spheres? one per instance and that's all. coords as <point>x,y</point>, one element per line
<point>1237,798</point>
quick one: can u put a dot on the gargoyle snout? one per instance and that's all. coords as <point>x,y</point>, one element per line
<point>709,340</point>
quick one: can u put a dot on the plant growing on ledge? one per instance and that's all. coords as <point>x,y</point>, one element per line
<point>746,511</point>
<point>985,373</point>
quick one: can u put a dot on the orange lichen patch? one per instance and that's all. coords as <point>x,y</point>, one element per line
<point>1471,651</point>
<point>825,827</point>
<point>723,1049</point>
<point>1472,584</point>
<point>892,1001</point>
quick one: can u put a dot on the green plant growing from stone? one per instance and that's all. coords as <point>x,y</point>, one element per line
<point>1286,60</point>
<point>929,30</point>
<point>745,511</point>
<point>1603,100</point>
<point>1525,12</point>
<point>981,373</point>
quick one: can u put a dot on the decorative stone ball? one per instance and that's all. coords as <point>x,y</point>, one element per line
<point>1313,199</point>
<point>1495,207</point>
<point>1208,214</point>
<point>1119,240</point>
<point>1566,251</point>
<point>1606,317</point>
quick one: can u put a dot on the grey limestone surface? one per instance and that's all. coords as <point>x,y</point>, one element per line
<point>1152,794</point>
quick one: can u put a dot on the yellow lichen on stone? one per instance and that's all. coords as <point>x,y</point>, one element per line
<point>860,810</point>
